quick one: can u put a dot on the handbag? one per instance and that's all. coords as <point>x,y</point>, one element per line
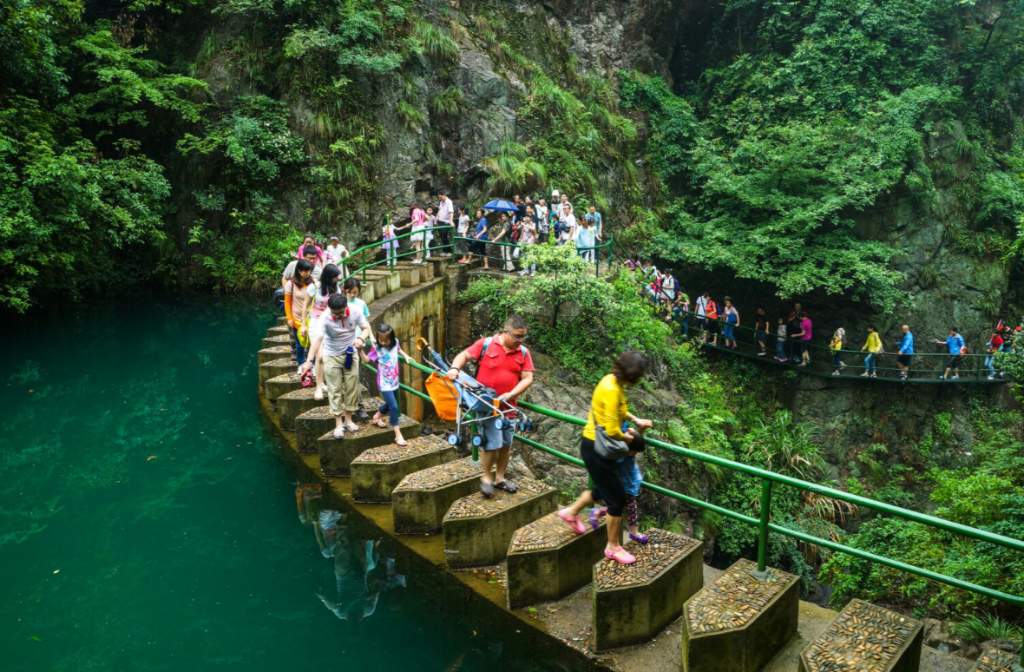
<point>604,445</point>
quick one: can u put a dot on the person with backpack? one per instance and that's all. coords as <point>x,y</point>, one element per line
<point>956,348</point>
<point>603,444</point>
<point>505,365</point>
<point>994,346</point>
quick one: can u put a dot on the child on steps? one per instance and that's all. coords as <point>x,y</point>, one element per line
<point>386,354</point>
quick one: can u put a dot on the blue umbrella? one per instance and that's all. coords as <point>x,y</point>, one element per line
<point>500,205</point>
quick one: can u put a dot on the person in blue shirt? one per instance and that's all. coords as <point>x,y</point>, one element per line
<point>479,245</point>
<point>906,352</point>
<point>955,346</point>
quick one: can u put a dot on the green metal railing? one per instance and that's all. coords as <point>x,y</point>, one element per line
<point>762,523</point>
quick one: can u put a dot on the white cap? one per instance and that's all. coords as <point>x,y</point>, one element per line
<point>554,192</point>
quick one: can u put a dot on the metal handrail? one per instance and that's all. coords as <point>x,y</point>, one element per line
<point>763,522</point>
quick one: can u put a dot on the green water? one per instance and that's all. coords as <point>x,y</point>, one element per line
<point>148,521</point>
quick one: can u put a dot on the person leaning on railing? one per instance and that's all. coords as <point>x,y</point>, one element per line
<point>957,349</point>
<point>609,410</point>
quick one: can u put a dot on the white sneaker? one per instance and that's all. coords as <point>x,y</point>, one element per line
<point>299,370</point>
<point>865,374</point>
<point>319,394</point>
<point>956,377</point>
<point>339,432</point>
<point>835,373</point>
<point>991,377</point>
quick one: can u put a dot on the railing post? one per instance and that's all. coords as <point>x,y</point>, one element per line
<point>762,527</point>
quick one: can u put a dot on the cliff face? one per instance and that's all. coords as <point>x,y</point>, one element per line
<point>433,124</point>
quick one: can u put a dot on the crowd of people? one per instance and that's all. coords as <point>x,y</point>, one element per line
<point>330,330</point>
<point>497,236</point>
<point>789,338</point>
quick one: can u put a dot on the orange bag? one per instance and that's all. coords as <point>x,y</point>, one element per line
<point>443,395</point>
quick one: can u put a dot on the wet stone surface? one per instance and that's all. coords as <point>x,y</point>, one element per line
<point>478,507</point>
<point>395,453</point>
<point>863,638</point>
<point>549,532</point>
<point>735,598</point>
<point>440,476</point>
<point>661,551</point>
<point>995,660</point>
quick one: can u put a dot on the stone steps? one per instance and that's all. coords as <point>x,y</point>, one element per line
<point>995,660</point>
<point>547,561</point>
<point>274,368</point>
<point>477,531</point>
<point>866,638</point>
<point>283,384</point>
<point>281,321</point>
<point>632,603</point>
<point>293,404</point>
<point>336,455</point>
<point>276,352</point>
<point>421,499</point>
<point>312,424</point>
<point>739,621</point>
<point>408,274</point>
<point>377,471</point>
<point>278,330</point>
<point>277,339</point>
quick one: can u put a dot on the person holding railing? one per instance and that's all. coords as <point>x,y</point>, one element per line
<point>872,346</point>
<point>957,349</point>
<point>761,327</point>
<point>445,217</point>
<point>994,346</point>
<point>479,246</point>
<point>586,240</point>
<point>905,352</point>
<point>389,241</point>
<point>732,320</point>
<point>603,443</point>
<point>497,233</point>
<point>418,220</point>
<point>527,237</point>
<point>835,345</point>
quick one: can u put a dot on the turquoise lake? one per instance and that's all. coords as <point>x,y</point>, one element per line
<point>149,522</point>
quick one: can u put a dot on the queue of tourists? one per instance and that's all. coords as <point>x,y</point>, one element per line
<point>788,337</point>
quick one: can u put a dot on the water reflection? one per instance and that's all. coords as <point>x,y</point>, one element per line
<point>361,573</point>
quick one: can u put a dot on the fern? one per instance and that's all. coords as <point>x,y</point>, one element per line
<point>436,42</point>
<point>412,117</point>
<point>448,102</point>
<point>513,168</point>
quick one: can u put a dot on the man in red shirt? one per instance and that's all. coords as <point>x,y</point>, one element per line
<point>506,367</point>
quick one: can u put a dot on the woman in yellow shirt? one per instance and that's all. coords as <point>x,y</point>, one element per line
<point>609,409</point>
<point>872,346</point>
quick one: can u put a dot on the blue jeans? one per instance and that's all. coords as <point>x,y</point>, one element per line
<point>780,348</point>
<point>990,364</point>
<point>390,406</point>
<point>869,363</point>
<point>297,349</point>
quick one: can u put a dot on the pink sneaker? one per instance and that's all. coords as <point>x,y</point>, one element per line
<point>572,521</point>
<point>620,555</point>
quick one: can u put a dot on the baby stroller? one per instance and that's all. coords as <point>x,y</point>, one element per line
<point>465,401</point>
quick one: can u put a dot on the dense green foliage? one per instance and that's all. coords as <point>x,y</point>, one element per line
<point>824,110</point>
<point>81,201</point>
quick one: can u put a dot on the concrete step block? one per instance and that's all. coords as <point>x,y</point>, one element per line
<point>426,271</point>
<point>421,499</point>
<point>368,292</point>
<point>740,621</point>
<point>281,321</point>
<point>377,471</point>
<point>283,384</point>
<point>632,603</point>
<point>995,660</point>
<point>409,275</point>
<point>275,340</point>
<point>336,455</point>
<point>293,404</point>
<point>477,531</point>
<point>866,638</point>
<point>276,352</point>
<point>274,368</point>
<point>547,560</point>
<point>381,281</point>
<point>279,330</point>
<point>314,423</point>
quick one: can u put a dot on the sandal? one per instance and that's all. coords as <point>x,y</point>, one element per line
<point>572,521</point>
<point>401,442</point>
<point>380,422</point>
<point>351,427</point>
<point>639,537</point>
<point>506,485</point>
<point>620,555</point>
<point>596,514</point>
<point>339,432</point>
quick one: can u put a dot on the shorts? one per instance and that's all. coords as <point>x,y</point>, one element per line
<point>418,235</point>
<point>954,362</point>
<point>905,359</point>
<point>607,486</point>
<point>316,328</point>
<point>762,337</point>
<point>496,438</point>
<point>712,326</point>
<point>805,346</point>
